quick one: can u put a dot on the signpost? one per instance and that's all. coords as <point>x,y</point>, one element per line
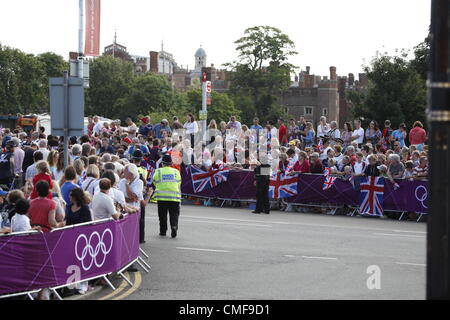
<point>67,109</point>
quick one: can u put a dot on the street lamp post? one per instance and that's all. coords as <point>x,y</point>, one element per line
<point>438,238</point>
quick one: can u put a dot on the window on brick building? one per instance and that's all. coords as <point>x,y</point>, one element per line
<point>325,112</point>
<point>308,110</point>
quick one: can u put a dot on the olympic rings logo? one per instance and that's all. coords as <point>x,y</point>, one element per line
<point>90,255</point>
<point>423,197</point>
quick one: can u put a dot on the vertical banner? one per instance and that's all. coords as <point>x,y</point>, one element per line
<point>92,39</point>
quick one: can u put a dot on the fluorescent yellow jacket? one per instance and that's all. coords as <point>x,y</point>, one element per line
<point>167,181</point>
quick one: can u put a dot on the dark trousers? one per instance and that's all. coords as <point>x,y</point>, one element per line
<point>174,211</point>
<point>262,195</point>
<point>142,225</point>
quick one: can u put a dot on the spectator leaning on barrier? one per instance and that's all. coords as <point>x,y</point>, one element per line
<point>20,222</point>
<point>102,204</point>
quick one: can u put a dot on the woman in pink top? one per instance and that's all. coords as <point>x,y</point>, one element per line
<point>417,135</point>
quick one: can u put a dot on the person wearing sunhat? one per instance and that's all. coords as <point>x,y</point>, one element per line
<point>167,181</point>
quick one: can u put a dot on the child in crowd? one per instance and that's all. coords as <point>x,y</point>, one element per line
<point>21,221</point>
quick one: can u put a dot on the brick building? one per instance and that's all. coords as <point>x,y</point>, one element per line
<point>314,96</point>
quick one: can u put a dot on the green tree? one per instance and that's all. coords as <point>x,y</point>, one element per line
<point>395,92</point>
<point>111,80</point>
<point>421,56</point>
<point>54,66</point>
<point>263,70</point>
<point>22,82</point>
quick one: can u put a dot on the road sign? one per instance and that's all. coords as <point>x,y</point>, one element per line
<point>203,115</point>
<point>208,86</point>
<point>73,118</point>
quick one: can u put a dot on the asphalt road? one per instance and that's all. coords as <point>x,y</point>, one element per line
<point>234,254</point>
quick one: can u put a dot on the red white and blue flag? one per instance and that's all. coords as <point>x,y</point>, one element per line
<point>371,196</point>
<point>328,180</point>
<point>282,186</point>
<point>205,180</point>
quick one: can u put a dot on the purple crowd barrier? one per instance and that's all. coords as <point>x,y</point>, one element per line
<point>411,196</point>
<point>67,255</point>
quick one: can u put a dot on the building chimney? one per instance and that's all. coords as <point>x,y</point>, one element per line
<point>351,79</point>
<point>307,69</point>
<point>333,75</point>
<point>154,61</point>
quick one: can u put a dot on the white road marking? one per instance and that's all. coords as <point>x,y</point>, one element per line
<point>299,224</point>
<point>412,264</point>
<point>217,222</point>
<point>199,249</point>
<point>229,223</point>
<point>398,235</point>
<point>310,257</point>
<point>422,232</point>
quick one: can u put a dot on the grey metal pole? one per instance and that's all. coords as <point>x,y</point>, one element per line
<point>66,119</point>
<point>438,236</point>
<point>204,109</point>
<point>80,40</point>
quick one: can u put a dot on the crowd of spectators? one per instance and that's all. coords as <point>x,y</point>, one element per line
<point>107,171</point>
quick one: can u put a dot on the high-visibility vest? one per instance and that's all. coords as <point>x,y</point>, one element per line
<point>167,181</point>
<point>144,173</point>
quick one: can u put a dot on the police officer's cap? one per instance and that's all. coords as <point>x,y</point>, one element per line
<point>137,154</point>
<point>167,159</point>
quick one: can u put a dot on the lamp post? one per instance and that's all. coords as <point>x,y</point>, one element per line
<point>438,113</point>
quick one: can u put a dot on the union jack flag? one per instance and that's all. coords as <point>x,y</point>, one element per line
<point>328,182</point>
<point>327,172</point>
<point>205,180</point>
<point>150,165</point>
<point>371,196</point>
<point>282,186</point>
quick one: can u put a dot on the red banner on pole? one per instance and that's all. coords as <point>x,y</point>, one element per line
<point>92,39</point>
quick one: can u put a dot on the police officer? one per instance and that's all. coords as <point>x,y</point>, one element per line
<point>167,182</point>
<point>262,180</point>
<point>137,157</point>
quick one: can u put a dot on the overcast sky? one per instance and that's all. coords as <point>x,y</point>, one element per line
<point>342,33</point>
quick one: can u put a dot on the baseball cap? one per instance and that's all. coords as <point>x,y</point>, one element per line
<point>127,140</point>
<point>3,193</point>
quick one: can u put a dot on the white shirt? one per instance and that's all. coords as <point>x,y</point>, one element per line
<point>322,130</point>
<point>191,127</point>
<point>115,194</point>
<point>20,222</point>
<point>102,206</point>
<point>98,128</point>
<point>358,132</point>
<point>45,153</point>
<point>339,158</point>
<point>132,131</point>
<point>89,185</point>
<point>31,172</point>
<point>137,187</point>
<point>335,134</point>
<point>358,167</point>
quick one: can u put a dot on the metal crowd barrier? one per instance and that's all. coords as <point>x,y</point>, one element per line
<point>139,260</point>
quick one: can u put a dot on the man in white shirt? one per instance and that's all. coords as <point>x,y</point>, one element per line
<point>131,129</point>
<point>43,148</point>
<point>131,186</point>
<point>98,126</point>
<point>323,127</point>
<point>31,170</point>
<point>334,131</point>
<point>358,133</point>
<point>102,204</point>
